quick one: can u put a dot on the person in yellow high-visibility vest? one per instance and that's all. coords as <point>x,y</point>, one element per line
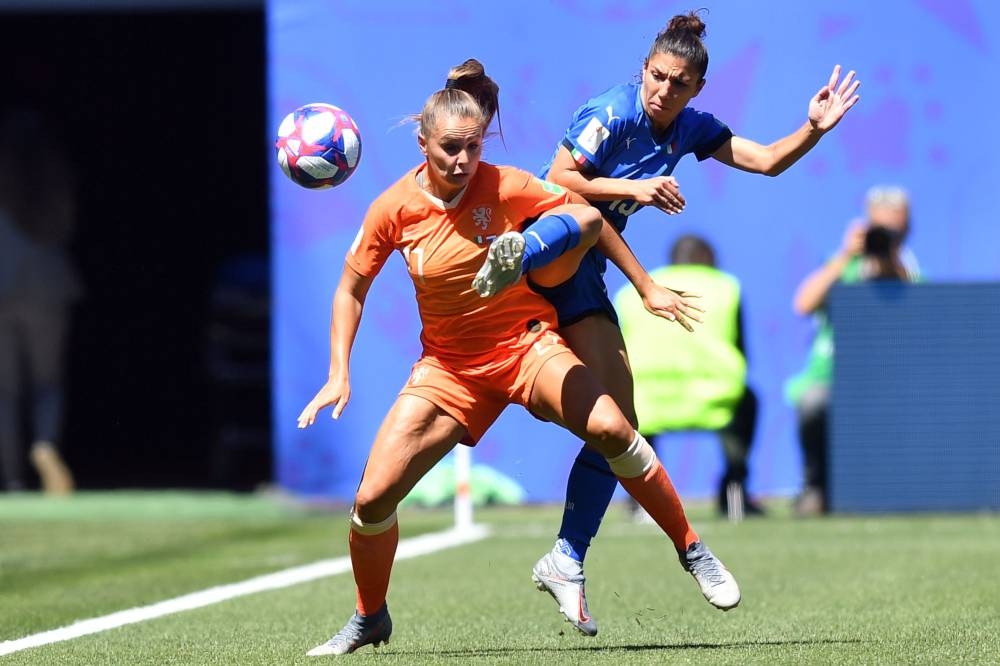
<point>695,381</point>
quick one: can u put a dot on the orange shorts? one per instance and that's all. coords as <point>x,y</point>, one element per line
<point>475,398</point>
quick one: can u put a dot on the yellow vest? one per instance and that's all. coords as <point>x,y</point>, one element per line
<point>685,381</point>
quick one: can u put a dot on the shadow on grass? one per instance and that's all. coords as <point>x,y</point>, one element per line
<point>726,645</point>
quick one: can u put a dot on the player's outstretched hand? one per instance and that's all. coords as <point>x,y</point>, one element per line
<point>335,392</point>
<point>672,305</point>
<point>832,101</point>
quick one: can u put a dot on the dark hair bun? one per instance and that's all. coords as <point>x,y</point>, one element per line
<point>690,23</point>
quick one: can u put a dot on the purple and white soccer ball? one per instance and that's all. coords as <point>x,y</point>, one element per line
<point>318,146</point>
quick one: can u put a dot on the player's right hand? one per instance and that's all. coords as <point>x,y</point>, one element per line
<point>336,392</point>
<point>663,192</point>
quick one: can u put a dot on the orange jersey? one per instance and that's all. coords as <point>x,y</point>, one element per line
<point>444,244</point>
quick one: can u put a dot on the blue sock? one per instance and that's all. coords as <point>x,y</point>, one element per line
<point>588,494</point>
<point>548,239</point>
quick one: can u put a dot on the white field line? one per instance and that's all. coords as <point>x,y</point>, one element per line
<point>408,548</point>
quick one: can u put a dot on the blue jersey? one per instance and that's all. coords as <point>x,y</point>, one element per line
<point>611,136</point>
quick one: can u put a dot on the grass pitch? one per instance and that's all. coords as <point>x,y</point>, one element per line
<point>841,590</point>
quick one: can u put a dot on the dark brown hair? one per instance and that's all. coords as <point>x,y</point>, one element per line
<point>468,93</point>
<point>682,38</point>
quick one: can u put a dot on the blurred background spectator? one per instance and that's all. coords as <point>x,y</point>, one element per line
<point>695,381</point>
<point>38,287</point>
<point>873,249</point>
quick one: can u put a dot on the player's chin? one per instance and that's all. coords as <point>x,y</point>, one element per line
<point>660,113</point>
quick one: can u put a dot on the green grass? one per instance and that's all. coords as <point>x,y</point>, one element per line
<point>852,590</point>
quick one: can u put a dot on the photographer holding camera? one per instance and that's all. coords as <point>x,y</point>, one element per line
<point>873,249</point>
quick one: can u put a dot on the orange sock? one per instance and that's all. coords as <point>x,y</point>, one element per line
<point>656,494</point>
<point>371,558</point>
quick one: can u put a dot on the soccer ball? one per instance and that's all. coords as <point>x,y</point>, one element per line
<point>318,146</point>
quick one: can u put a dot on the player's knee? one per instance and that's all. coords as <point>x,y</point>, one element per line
<point>590,222</point>
<point>371,506</point>
<point>608,430</point>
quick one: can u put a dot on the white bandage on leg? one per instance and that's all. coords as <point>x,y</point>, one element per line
<point>371,529</point>
<point>638,458</point>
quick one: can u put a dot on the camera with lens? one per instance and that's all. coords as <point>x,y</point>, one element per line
<point>880,240</point>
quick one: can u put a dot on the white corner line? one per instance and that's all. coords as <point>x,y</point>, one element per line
<point>424,544</point>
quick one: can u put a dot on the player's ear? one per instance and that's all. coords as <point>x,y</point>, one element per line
<point>697,88</point>
<point>422,143</point>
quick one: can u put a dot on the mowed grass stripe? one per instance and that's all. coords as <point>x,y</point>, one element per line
<point>92,554</point>
<point>408,548</point>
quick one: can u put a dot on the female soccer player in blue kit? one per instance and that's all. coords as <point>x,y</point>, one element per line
<point>619,152</point>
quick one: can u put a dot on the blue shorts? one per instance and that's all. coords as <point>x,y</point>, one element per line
<point>583,295</point>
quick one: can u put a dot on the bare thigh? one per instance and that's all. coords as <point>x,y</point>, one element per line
<point>568,393</point>
<point>413,437</point>
<point>567,264</point>
<point>598,343</point>
<point>561,269</point>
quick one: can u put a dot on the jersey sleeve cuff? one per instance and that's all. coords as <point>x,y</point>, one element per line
<point>709,148</point>
<point>578,155</point>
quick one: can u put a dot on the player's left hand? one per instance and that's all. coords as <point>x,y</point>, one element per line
<point>672,305</point>
<point>832,101</point>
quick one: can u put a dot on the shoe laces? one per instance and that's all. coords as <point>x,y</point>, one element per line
<point>350,634</point>
<point>705,565</point>
<point>354,631</point>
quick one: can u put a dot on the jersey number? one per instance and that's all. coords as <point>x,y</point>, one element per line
<point>419,268</point>
<point>624,207</point>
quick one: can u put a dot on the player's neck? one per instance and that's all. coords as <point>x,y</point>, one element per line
<point>660,129</point>
<point>436,190</point>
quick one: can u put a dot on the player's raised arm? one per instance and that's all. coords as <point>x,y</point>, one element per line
<point>826,108</point>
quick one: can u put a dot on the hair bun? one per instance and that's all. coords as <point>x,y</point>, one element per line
<point>689,22</point>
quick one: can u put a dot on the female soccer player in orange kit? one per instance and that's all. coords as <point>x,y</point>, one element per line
<point>479,355</point>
